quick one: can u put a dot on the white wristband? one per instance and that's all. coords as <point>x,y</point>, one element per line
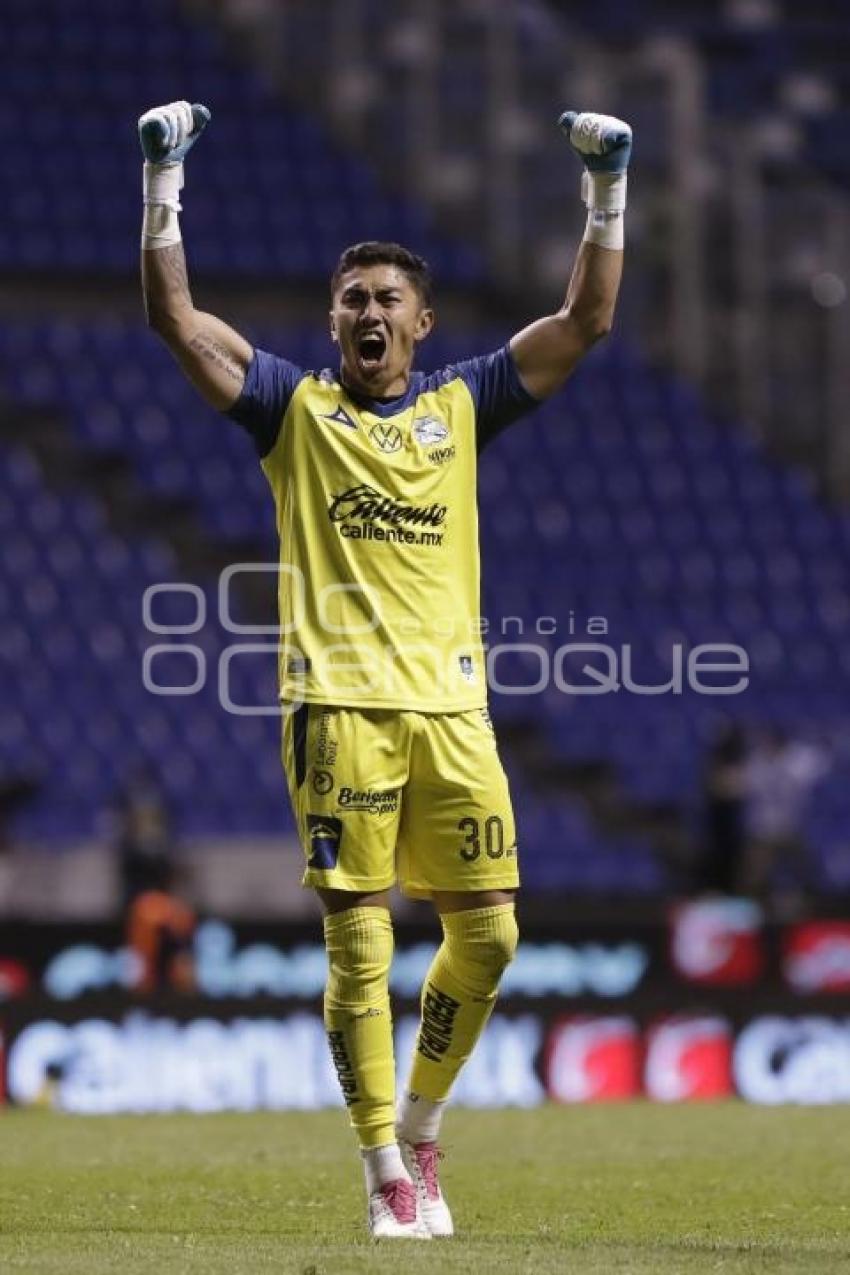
<point>604,229</point>
<point>160,227</point>
<point>604,191</point>
<point>161,184</point>
<point>604,195</point>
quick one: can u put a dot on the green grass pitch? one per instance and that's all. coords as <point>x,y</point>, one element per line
<point>634,1188</point>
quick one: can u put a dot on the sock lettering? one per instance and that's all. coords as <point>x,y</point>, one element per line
<point>438,1017</point>
<point>344,1067</point>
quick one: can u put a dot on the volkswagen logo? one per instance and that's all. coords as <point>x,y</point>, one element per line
<point>387,438</point>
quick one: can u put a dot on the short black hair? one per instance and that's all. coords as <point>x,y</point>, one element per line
<point>375,252</point>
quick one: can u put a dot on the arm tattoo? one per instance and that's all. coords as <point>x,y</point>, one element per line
<point>169,304</point>
<point>165,282</point>
<point>173,270</point>
<point>209,349</point>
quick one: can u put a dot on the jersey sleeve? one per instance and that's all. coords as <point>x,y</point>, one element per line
<point>269,385</point>
<point>499,395</point>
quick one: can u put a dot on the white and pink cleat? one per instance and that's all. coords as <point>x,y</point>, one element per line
<point>420,1160</point>
<point>394,1212</point>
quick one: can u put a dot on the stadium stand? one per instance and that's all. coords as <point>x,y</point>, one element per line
<point>272,174</point>
<point>761,58</point>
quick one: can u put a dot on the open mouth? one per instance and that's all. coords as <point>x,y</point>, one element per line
<point>371,348</point>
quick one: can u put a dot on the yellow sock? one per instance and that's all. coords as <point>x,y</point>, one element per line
<point>359,944</point>
<point>459,994</point>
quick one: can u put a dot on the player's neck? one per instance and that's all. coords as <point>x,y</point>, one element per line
<point>379,389</point>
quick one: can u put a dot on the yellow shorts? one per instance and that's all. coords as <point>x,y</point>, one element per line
<point>383,795</point>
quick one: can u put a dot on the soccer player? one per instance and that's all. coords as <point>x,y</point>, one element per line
<point>389,753</point>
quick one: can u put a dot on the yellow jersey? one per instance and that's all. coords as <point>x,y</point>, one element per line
<point>379,589</point>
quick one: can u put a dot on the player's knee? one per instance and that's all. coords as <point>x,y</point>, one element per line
<point>359,944</point>
<point>482,943</point>
<point>502,946</point>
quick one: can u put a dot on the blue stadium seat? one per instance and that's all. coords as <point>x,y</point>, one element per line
<point>269,172</point>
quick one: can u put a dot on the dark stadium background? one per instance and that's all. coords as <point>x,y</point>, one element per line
<point>686,854</point>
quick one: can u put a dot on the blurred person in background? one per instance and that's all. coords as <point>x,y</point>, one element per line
<point>780,775</point>
<point>395,773</point>
<point>160,931</point>
<point>15,793</point>
<point>142,833</point>
<point>724,810</point>
<point>160,925</point>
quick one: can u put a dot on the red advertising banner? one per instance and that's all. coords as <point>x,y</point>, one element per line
<point>593,1059</point>
<point>718,942</point>
<point>816,956</point>
<point>689,1058</point>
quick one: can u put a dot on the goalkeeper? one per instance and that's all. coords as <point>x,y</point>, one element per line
<point>389,754</point>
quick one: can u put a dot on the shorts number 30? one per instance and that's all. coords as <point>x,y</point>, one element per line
<point>494,837</point>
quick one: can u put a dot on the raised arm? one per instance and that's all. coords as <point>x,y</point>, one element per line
<point>547,351</point>
<point>213,356</point>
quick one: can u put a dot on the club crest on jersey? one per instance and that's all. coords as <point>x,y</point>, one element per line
<point>340,417</point>
<point>429,430</point>
<point>387,438</point>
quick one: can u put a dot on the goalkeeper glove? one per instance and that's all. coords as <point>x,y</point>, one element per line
<point>603,142</point>
<point>604,145</point>
<point>166,134</point>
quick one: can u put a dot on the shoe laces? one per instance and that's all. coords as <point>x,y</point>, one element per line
<point>428,1155</point>
<point>401,1200</point>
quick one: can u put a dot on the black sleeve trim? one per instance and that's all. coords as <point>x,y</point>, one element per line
<point>503,401</point>
<point>266,393</point>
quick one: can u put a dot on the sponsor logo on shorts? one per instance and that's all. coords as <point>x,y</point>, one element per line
<point>324,834</point>
<point>323,782</point>
<point>439,1011</point>
<point>326,742</point>
<point>429,430</point>
<point>375,801</point>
